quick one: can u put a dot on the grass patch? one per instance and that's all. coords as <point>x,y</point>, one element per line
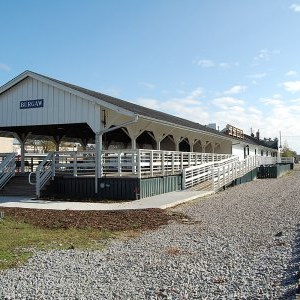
<point>23,231</point>
<point>19,240</point>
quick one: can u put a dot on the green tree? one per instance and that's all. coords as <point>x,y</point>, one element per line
<point>287,152</point>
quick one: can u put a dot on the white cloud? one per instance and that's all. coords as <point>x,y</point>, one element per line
<point>149,102</point>
<point>226,102</point>
<point>257,76</point>
<point>272,101</point>
<point>206,63</point>
<point>4,67</point>
<point>292,86</point>
<point>147,85</point>
<point>255,111</point>
<point>270,115</point>
<point>188,107</point>
<point>263,55</point>
<point>198,92</point>
<point>295,7</point>
<point>236,89</point>
<point>227,65</point>
<point>291,73</point>
<point>297,100</point>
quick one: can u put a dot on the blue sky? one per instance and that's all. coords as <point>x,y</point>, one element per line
<point>233,61</point>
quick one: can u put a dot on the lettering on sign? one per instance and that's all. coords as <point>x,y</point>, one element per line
<point>32,103</point>
<point>236,132</point>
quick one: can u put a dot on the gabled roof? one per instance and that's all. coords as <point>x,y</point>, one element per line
<point>269,144</point>
<point>140,110</point>
<point>122,104</point>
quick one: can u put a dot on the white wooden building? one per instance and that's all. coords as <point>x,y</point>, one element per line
<point>130,140</point>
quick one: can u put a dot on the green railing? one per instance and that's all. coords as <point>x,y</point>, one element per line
<point>273,171</point>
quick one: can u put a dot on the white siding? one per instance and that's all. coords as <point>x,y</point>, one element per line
<point>238,150</point>
<point>60,107</point>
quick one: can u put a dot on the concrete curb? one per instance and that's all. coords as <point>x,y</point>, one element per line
<point>162,201</point>
<point>169,205</point>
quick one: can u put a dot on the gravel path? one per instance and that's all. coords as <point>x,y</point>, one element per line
<point>242,243</point>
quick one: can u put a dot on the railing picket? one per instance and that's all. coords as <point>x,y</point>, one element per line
<point>7,168</point>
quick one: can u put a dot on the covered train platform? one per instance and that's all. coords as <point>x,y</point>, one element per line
<point>131,142</point>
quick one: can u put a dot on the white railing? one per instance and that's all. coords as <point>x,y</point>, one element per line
<point>287,160</point>
<point>44,172</point>
<point>75,163</point>
<point>137,163</point>
<point>225,174</point>
<point>149,163</point>
<point>7,168</point>
<point>121,162</point>
<point>218,174</point>
<point>200,174</point>
<point>211,169</point>
<point>197,175</point>
<point>267,160</point>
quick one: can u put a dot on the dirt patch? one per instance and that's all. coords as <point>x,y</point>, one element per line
<point>104,220</point>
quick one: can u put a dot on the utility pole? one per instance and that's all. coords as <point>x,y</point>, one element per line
<point>280,146</point>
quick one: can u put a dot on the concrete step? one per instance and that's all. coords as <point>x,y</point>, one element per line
<point>18,186</point>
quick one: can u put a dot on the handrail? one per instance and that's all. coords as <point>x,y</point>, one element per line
<point>227,173</point>
<point>29,178</point>
<point>130,162</point>
<point>218,174</point>
<point>225,161</point>
<point>7,168</point>
<point>44,172</point>
<point>267,160</point>
<point>289,160</point>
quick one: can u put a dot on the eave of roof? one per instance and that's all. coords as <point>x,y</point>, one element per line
<point>141,110</point>
<point>134,108</point>
<point>254,140</point>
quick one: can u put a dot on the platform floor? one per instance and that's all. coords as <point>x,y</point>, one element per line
<point>162,201</point>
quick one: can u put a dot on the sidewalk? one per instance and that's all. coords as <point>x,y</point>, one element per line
<point>162,201</point>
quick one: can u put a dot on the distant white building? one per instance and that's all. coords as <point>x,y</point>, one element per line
<point>6,145</point>
<point>251,145</point>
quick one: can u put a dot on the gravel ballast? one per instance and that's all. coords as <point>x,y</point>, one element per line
<point>242,243</point>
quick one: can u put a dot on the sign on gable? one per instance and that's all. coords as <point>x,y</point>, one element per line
<point>32,103</point>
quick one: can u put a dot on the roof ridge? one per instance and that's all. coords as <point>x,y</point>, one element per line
<point>136,107</point>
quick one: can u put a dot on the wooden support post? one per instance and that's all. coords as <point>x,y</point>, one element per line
<point>189,155</point>
<point>74,164</point>
<point>22,140</point>
<point>98,166</point>
<point>181,161</point>
<point>22,156</point>
<point>151,163</point>
<point>162,163</point>
<point>173,162</point>
<point>119,164</point>
<point>139,169</point>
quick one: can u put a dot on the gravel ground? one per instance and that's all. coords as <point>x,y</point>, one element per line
<point>242,243</point>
